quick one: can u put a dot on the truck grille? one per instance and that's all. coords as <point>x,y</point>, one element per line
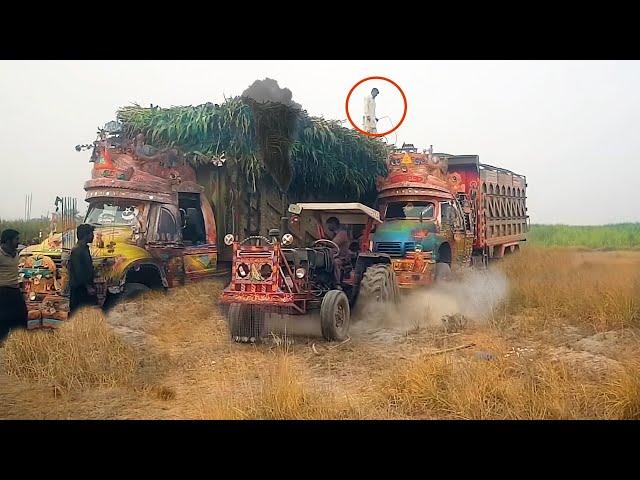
<point>409,246</point>
<point>391,248</point>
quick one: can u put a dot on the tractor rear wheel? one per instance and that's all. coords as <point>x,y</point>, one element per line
<point>335,316</point>
<point>246,322</point>
<point>379,284</point>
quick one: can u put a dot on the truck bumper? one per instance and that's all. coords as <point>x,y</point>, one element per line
<point>409,277</point>
<point>407,280</point>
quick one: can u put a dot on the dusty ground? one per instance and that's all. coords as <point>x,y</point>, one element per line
<point>402,364</point>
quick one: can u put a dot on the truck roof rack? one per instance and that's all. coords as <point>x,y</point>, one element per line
<point>501,170</point>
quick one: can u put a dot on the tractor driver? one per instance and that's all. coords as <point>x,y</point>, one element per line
<point>339,235</point>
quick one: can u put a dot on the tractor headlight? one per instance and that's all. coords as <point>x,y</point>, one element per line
<point>243,270</point>
<point>228,239</point>
<point>32,296</point>
<point>287,239</point>
<point>266,270</point>
<point>300,272</point>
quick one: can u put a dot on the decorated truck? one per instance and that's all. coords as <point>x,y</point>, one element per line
<point>443,212</point>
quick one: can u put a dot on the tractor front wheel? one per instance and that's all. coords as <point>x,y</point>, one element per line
<point>335,316</point>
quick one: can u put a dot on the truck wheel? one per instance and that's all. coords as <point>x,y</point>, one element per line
<point>443,271</point>
<point>479,262</point>
<point>379,284</point>
<point>246,323</point>
<point>130,291</point>
<point>133,290</point>
<point>335,316</point>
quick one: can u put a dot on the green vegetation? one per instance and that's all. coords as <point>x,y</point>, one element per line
<point>609,237</point>
<point>256,138</point>
<point>28,229</point>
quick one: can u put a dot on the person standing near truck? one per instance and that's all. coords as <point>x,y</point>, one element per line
<point>13,309</point>
<point>81,287</point>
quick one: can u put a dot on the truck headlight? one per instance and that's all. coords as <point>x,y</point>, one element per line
<point>228,239</point>
<point>287,239</point>
<point>300,272</point>
<point>32,296</point>
<point>418,247</point>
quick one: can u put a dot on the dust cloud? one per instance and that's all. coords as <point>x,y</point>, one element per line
<point>475,296</point>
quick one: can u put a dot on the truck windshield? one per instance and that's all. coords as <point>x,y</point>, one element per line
<point>410,210</point>
<point>109,213</point>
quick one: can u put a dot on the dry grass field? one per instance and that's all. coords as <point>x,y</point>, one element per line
<point>548,334</point>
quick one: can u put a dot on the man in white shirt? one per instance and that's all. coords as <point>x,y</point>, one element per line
<point>369,120</point>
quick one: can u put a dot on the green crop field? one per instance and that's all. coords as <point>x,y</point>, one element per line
<point>612,237</point>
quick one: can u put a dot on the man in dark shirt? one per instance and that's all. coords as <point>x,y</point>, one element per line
<point>13,310</point>
<point>81,287</point>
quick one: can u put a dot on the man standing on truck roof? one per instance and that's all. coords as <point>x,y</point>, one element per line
<point>13,310</point>
<point>81,287</point>
<point>369,120</point>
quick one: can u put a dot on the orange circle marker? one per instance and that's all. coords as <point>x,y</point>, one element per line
<point>369,134</point>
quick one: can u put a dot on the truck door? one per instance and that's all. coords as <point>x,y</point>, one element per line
<point>198,236</point>
<point>453,222</point>
<point>468,222</point>
<point>164,242</point>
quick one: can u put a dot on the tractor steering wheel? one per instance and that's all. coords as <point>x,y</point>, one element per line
<point>331,243</point>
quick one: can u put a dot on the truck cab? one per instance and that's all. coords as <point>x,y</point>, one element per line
<point>426,229</point>
<point>154,229</point>
<point>148,243</point>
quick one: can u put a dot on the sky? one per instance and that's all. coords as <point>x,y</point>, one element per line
<point>571,127</point>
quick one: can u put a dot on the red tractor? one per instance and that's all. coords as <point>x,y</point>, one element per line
<point>301,275</point>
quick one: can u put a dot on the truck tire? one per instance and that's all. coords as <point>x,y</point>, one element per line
<point>246,323</point>
<point>335,316</point>
<point>379,284</point>
<point>443,272</point>
<point>133,290</point>
<point>479,262</point>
